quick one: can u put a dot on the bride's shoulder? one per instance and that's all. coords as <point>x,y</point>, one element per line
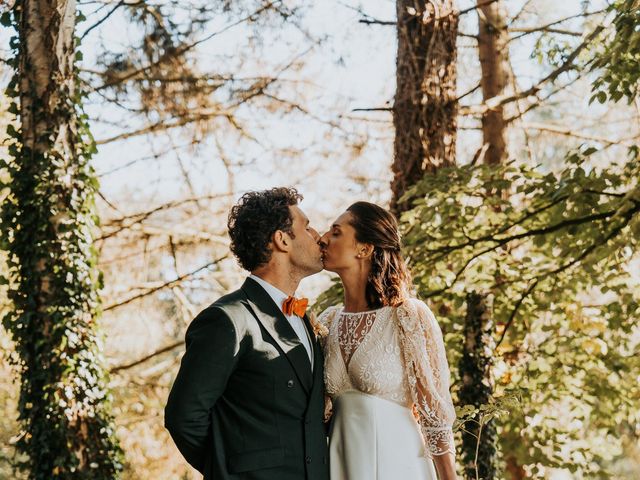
<point>412,306</point>
<point>413,312</point>
<point>328,315</point>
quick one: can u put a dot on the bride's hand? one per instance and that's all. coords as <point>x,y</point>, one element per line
<point>445,466</point>
<point>328,408</point>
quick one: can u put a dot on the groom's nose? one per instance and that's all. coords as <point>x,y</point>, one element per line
<point>315,234</point>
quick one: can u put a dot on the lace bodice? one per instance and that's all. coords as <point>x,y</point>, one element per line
<point>396,353</point>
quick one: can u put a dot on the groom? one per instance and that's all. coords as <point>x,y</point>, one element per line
<point>247,402</point>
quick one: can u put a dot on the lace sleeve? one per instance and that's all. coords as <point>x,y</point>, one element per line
<point>427,373</point>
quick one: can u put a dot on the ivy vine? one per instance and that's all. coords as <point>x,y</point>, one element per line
<point>46,225</point>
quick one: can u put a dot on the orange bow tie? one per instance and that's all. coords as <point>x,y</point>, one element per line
<point>295,306</point>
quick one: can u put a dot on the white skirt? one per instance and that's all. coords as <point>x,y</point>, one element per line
<point>375,439</point>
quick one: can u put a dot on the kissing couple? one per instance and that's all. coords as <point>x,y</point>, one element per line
<point>361,393</point>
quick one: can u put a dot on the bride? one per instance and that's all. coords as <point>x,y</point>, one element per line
<point>386,371</point>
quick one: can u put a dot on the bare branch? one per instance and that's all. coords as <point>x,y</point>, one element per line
<point>373,21</point>
<point>106,17</point>
<point>185,48</point>
<point>476,6</point>
<point>164,125</point>
<point>369,20</point>
<point>566,66</point>
<point>547,30</point>
<point>568,132</point>
<point>379,109</point>
<point>469,92</point>
<point>135,363</point>
<point>556,22</point>
<point>500,241</point>
<point>178,233</point>
<point>153,156</point>
<point>538,100</point>
<point>127,221</point>
<point>170,283</point>
<point>514,312</point>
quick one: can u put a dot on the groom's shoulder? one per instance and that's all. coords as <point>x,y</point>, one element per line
<point>231,305</point>
<point>227,310</point>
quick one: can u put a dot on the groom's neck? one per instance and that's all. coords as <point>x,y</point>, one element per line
<point>281,278</point>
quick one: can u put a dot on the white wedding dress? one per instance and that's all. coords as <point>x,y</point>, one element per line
<point>387,376</point>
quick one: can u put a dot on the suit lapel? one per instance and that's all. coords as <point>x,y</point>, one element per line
<point>318,356</point>
<point>315,347</point>
<point>269,315</point>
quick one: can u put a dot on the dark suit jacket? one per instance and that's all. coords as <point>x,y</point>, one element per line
<point>245,403</point>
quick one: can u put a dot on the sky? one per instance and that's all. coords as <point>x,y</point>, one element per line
<point>353,68</point>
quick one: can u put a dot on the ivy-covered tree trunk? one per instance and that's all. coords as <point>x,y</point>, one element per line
<point>47,225</point>
<point>425,107</point>
<point>493,48</point>
<point>478,439</point>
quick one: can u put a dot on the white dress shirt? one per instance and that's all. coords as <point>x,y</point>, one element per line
<point>295,321</point>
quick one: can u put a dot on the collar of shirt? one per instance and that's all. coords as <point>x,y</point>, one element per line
<point>276,294</point>
<point>296,322</point>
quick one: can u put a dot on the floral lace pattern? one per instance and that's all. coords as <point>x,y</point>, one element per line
<point>352,330</point>
<point>396,354</point>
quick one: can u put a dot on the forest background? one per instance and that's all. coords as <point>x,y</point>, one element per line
<point>516,180</point>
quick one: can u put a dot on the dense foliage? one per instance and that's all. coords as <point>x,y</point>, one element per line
<point>619,63</point>
<point>558,255</point>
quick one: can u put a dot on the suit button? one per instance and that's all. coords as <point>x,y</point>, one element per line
<point>308,459</point>
<point>290,384</point>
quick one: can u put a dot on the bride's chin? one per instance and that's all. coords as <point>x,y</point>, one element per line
<point>327,267</point>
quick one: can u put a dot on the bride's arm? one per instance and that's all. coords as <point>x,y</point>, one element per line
<point>428,377</point>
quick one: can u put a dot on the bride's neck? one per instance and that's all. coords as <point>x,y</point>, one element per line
<point>355,285</point>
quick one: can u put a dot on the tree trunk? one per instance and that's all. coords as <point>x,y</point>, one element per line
<point>47,222</point>
<point>474,368</point>
<point>425,108</point>
<point>475,365</point>
<point>516,471</point>
<point>493,46</point>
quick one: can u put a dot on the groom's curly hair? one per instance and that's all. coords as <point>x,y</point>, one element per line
<point>253,221</point>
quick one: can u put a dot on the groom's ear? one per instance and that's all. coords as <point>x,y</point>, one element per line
<point>281,241</point>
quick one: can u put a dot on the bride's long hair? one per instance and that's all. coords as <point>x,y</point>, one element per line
<point>389,283</point>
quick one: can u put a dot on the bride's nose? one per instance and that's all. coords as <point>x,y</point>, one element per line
<point>324,240</point>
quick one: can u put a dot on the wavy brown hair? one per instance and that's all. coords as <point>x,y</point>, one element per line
<point>389,282</point>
